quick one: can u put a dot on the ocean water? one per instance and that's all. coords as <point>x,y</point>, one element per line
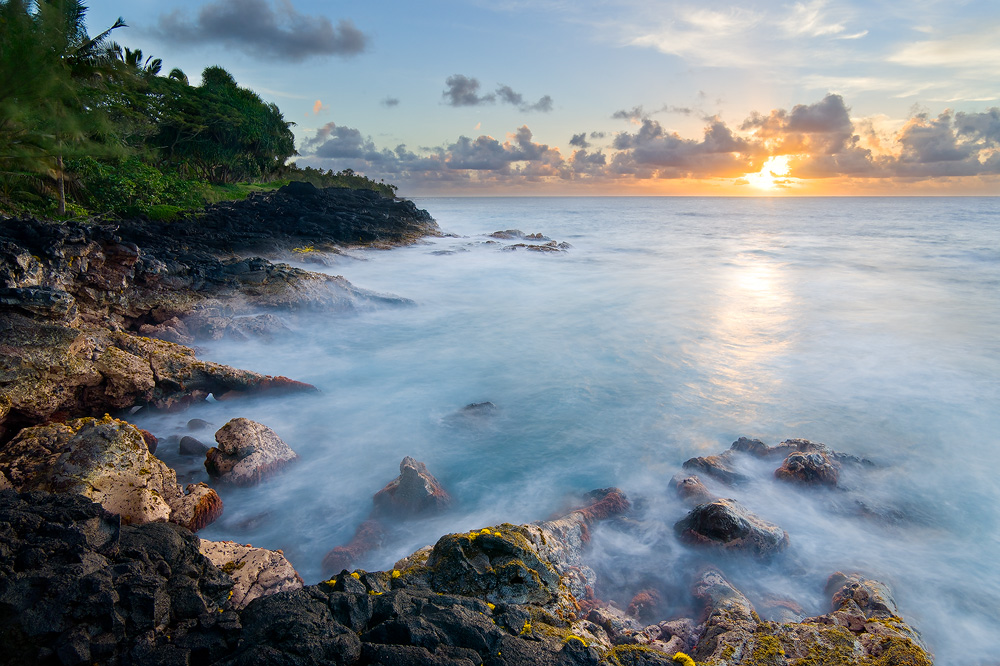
<point>669,328</point>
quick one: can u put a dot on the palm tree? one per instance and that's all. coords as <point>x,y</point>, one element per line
<point>50,71</point>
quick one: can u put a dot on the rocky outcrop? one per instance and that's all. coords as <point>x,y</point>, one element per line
<point>248,453</point>
<point>728,525</point>
<point>106,460</point>
<point>256,572</point>
<point>80,588</point>
<point>78,301</point>
<point>691,490</point>
<point>414,492</point>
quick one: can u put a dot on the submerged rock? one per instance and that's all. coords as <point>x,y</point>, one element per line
<point>728,525</point>
<point>106,460</point>
<point>369,536</point>
<point>718,467</point>
<point>190,446</point>
<point>814,468</point>
<point>691,490</point>
<point>415,492</point>
<point>248,453</point>
<point>256,572</point>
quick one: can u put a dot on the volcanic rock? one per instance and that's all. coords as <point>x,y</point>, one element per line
<point>718,467</point>
<point>414,492</point>
<point>248,452</point>
<point>107,461</point>
<point>189,446</point>
<point>691,490</point>
<point>80,588</point>
<point>727,524</point>
<point>815,468</point>
<point>256,572</point>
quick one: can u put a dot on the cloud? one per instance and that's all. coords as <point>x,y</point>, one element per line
<point>464,91</point>
<point>390,102</point>
<point>259,30</point>
<point>820,140</point>
<point>824,127</point>
<point>317,107</point>
<point>635,114</point>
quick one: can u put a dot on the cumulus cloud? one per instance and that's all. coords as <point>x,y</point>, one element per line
<point>265,30</point>
<point>635,114</point>
<point>463,90</point>
<point>824,127</point>
<point>820,140</point>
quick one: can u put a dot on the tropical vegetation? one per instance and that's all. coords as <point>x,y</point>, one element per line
<point>89,127</point>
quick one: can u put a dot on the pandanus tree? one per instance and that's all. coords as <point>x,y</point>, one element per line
<point>51,74</point>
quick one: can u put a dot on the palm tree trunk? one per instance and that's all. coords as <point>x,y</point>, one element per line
<point>62,186</point>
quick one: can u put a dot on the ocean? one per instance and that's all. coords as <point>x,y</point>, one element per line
<point>667,329</point>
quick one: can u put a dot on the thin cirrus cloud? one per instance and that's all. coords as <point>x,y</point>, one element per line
<point>821,140</point>
<point>463,90</point>
<point>264,30</point>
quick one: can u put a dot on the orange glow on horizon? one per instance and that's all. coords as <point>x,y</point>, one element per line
<point>773,174</point>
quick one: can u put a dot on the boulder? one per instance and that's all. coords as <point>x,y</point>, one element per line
<point>728,525</point>
<point>106,460</point>
<point>190,446</point>
<point>415,492</point>
<point>691,490</point>
<point>256,572</point>
<point>729,621</point>
<point>813,468</point>
<point>248,452</point>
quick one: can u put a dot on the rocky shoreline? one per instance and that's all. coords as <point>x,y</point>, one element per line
<point>98,560</point>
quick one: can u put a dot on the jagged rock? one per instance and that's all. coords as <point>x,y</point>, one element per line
<point>727,524</point>
<point>79,588</point>
<point>107,461</point>
<point>497,564</point>
<point>718,467</point>
<point>248,452</point>
<point>729,619</point>
<point>414,492</point>
<point>189,446</point>
<point>691,490</point>
<point>814,468</point>
<point>754,447</point>
<point>256,572</point>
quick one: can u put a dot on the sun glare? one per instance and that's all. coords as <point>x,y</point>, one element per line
<point>772,174</point>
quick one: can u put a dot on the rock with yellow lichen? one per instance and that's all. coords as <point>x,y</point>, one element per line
<point>106,460</point>
<point>256,572</point>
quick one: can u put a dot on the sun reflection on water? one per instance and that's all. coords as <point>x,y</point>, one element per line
<point>747,334</point>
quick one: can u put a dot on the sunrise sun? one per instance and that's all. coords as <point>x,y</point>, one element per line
<point>773,174</point>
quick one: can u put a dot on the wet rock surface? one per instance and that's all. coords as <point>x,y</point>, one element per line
<point>248,452</point>
<point>414,492</point>
<point>728,525</point>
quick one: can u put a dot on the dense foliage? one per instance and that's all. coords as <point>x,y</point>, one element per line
<point>87,126</point>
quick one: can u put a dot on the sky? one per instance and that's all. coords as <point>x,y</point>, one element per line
<point>611,97</point>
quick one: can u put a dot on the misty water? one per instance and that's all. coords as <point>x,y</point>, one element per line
<point>670,328</point>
